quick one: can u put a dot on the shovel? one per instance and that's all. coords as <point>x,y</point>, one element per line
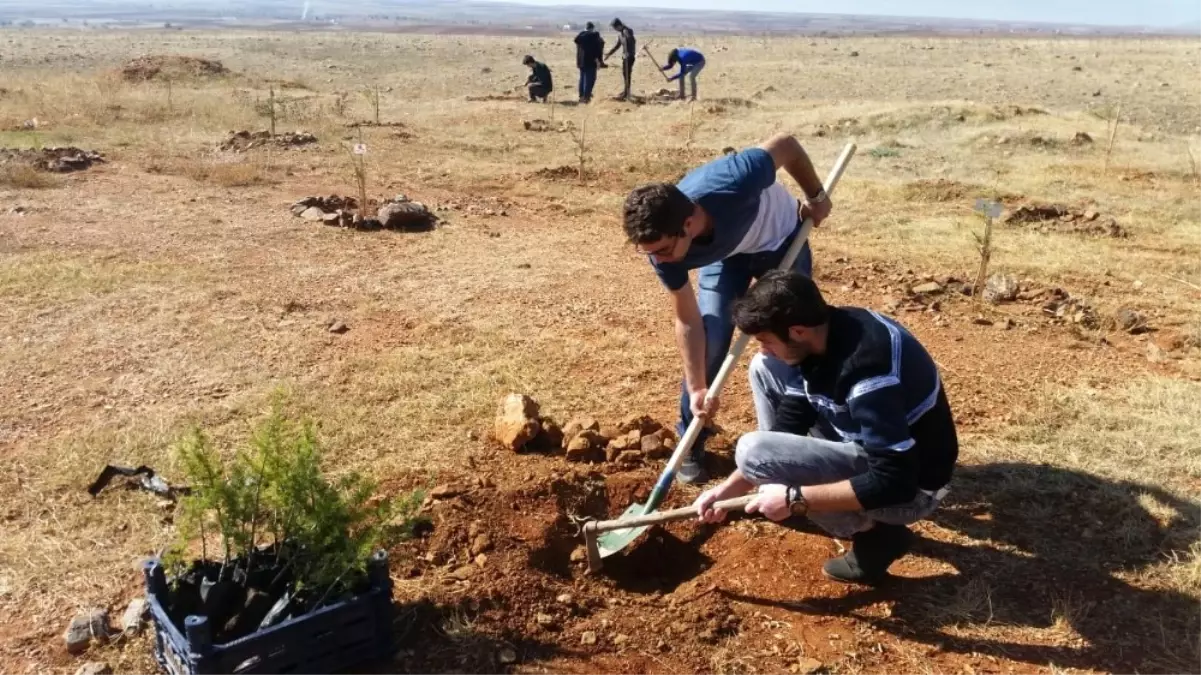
<point>592,529</point>
<point>613,541</point>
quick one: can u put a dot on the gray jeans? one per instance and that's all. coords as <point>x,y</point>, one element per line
<point>691,75</point>
<point>774,457</point>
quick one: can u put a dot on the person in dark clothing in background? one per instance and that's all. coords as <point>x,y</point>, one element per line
<point>854,426</point>
<point>589,55</point>
<point>539,83</point>
<point>628,46</point>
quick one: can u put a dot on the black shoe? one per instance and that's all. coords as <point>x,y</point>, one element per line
<point>871,554</point>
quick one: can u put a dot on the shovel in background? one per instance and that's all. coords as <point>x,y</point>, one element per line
<point>614,540</point>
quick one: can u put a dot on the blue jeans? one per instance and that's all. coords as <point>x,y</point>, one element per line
<point>587,82</point>
<point>719,285</point>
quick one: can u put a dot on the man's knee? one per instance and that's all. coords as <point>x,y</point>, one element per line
<point>752,456</point>
<point>767,375</point>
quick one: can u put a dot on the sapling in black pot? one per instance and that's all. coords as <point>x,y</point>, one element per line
<point>277,537</point>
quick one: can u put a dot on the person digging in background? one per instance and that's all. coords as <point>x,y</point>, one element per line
<point>628,46</point>
<point>730,219</point>
<point>855,430</point>
<point>539,82</point>
<point>589,55</point>
<point>691,63</point>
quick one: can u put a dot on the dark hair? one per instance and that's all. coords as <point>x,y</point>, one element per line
<point>616,23</point>
<point>655,211</point>
<point>527,60</point>
<point>780,300</point>
<point>589,25</point>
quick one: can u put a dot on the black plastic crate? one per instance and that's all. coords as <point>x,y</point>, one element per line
<point>327,640</point>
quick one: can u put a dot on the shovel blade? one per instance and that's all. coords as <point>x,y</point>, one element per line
<point>612,542</point>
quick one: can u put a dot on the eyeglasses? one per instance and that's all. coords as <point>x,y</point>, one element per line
<point>666,247</point>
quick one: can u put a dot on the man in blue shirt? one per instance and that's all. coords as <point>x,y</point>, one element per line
<point>731,220</point>
<point>691,63</point>
<point>854,426</point>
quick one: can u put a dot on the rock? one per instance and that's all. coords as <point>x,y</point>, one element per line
<point>481,560</point>
<point>475,529</point>
<point>135,614</point>
<point>614,450</point>
<point>506,656</point>
<point>95,668</point>
<point>1090,215</point>
<point>928,287</point>
<point>588,638</point>
<point>1006,324</point>
<point>544,620</point>
<point>463,573</point>
<point>564,599</point>
<point>550,435</point>
<point>338,328</point>
<point>653,448</point>
<point>630,457</point>
<point>446,491</point>
<point>640,422</point>
<point>587,423</point>
<point>1001,288</point>
<point>587,446</point>
<point>620,639</point>
<point>1081,138</point>
<point>1131,320</point>
<point>579,554</point>
<point>809,666</point>
<point>516,421</point>
<point>92,624</point>
<point>982,321</point>
<point>570,431</point>
<point>1154,353</point>
<point>313,213</point>
<point>854,53</point>
<point>633,438</point>
<point>405,216</point>
<point>1097,92</point>
<point>481,544</point>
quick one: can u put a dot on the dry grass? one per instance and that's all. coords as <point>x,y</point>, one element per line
<point>125,324</point>
<point>24,177</point>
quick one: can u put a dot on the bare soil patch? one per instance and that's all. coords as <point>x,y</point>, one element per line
<point>171,67</point>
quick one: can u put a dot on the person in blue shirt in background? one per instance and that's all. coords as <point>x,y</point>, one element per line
<point>731,220</point>
<point>691,63</point>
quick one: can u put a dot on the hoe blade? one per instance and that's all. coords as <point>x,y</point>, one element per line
<point>611,542</point>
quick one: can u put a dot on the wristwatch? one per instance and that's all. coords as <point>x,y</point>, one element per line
<point>796,501</point>
<point>818,198</point>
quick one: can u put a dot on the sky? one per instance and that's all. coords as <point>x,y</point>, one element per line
<point>1172,13</point>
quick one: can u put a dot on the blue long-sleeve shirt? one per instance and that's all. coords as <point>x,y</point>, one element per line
<point>687,58</point>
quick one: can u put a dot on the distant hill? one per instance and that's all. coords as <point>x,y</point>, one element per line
<point>485,17</point>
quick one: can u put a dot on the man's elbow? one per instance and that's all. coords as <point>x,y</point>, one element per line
<point>784,148</point>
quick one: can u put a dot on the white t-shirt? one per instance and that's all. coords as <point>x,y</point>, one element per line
<point>777,218</point>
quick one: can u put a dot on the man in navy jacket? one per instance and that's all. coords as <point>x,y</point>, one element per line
<point>855,430</point>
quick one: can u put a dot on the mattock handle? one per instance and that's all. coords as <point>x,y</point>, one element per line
<point>735,504</point>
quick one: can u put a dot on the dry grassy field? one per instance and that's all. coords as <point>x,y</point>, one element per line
<point>171,285</point>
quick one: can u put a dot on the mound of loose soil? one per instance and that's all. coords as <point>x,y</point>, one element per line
<point>1059,218</point>
<point>546,125</point>
<point>564,172</point>
<point>54,160</point>
<point>496,97</point>
<point>241,141</point>
<point>171,67</point>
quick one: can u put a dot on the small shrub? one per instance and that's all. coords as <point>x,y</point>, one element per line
<point>882,151</point>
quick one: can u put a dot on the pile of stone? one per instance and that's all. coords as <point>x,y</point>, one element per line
<point>241,141</point>
<point>1059,218</point>
<point>54,160</point>
<point>519,426</point>
<point>399,213</point>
